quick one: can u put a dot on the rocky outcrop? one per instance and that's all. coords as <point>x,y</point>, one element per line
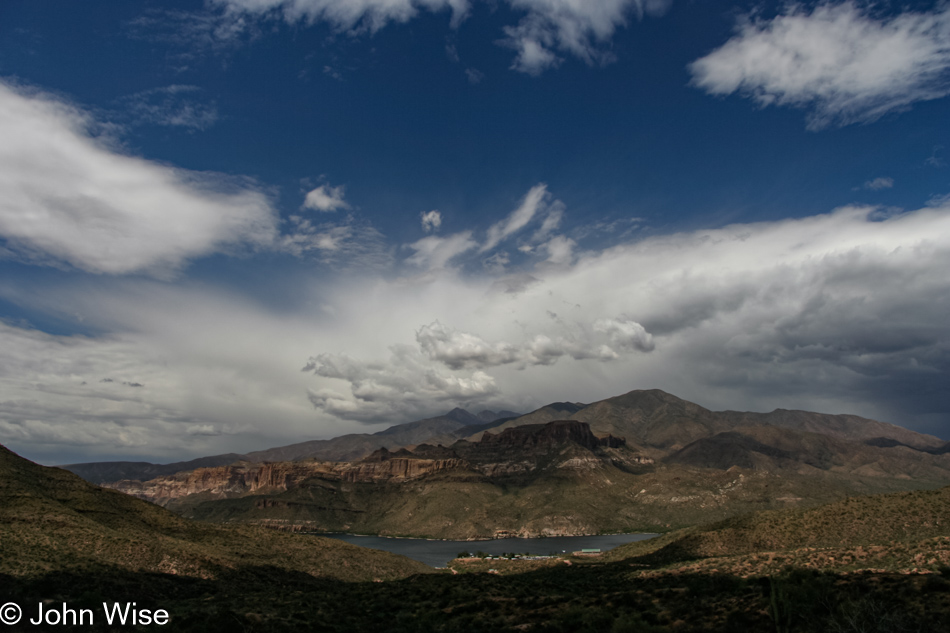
<point>552,434</point>
<point>244,479</point>
<point>398,469</point>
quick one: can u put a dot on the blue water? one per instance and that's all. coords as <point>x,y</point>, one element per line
<point>439,553</point>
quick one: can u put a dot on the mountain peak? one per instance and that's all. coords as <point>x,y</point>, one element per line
<point>461,415</point>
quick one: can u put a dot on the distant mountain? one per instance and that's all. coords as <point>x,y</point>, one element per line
<point>633,462</point>
<point>53,521</point>
<point>787,451</point>
<point>101,472</point>
<point>493,416</point>
<point>357,446</point>
<point>547,479</point>
<point>339,449</point>
<point>659,420</point>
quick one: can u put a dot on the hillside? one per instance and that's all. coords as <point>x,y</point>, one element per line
<point>51,520</point>
<point>872,528</point>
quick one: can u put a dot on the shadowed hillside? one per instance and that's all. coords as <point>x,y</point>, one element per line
<point>51,520</point>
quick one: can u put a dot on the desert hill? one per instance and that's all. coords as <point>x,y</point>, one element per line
<point>51,520</point>
<point>893,532</point>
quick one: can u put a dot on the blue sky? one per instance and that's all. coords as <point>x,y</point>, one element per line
<point>241,223</point>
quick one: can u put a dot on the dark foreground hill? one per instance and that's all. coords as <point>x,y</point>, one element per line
<point>877,529</point>
<point>53,521</point>
<point>899,587</point>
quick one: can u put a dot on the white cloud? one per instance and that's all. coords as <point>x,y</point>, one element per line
<point>579,28</point>
<point>202,429</point>
<point>434,253</point>
<point>879,183</point>
<point>582,29</point>
<point>458,350</point>
<point>405,386</point>
<point>431,220</point>
<point>346,14</point>
<point>348,243</point>
<point>837,60</point>
<point>836,312</point>
<point>325,198</point>
<point>560,250</point>
<point>535,200</point>
<point>209,374</point>
<point>840,312</point>
<point>551,223</point>
<point>66,196</point>
<point>625,334</point>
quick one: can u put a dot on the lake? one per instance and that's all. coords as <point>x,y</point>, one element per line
<point>439,553</point>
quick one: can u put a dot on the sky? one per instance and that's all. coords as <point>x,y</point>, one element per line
<point>236,224</point>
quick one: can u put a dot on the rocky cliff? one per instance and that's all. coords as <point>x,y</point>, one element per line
<point>249,479</point>
<point>516,452</point>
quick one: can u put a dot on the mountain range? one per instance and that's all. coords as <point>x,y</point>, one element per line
<point>456,423</point>
<point>643,461</point>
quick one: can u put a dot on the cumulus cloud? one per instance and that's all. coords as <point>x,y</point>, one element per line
<point>625,335</point>
<point>404,385</point>
<point>879,183</point>
<point>69,197</point>
<point>841,312</point>
<point>431,220</point>
<point>458,350</point>
<point>325,198</point>
<point>837,60</point>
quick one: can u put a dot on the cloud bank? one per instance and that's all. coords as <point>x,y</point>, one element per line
<point>837,60</point>
<point>839,312</point>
